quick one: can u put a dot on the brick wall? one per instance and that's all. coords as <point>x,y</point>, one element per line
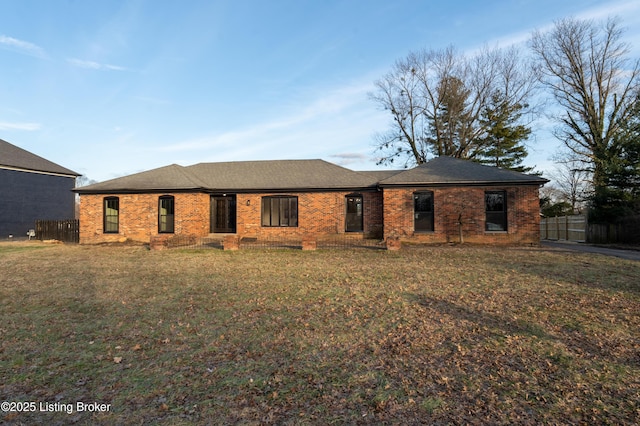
<point>459,209</point>
<point>319,213</point>
<point>138,217</point>
<point>323,213</point>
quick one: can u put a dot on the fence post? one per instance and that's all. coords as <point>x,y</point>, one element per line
<point>546,228</point>
<point>231,242</point>
<point>393,243</point>
<point>309,242</point>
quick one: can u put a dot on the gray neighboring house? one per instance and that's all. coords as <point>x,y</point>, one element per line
<point>32,188</point>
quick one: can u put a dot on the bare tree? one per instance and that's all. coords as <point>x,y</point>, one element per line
<point>572,180</point>
<point>412,93</point>
<point>81,181</point>
<point>585,66</point>
<point>436,99</point>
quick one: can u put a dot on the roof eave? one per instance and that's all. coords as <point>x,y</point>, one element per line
<point>70,173</point>
<point>465,183</point>
<point>293,189</point>
<point>111,191</point>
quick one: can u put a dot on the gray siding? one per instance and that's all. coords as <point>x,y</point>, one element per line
<point>26,197</point>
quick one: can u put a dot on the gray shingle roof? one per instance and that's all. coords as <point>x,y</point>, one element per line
<point>449,170</point>
<point>18,158</point>
<point>167,178</point>
<point>278,175</point>
<point>291,175</point>
<point>379,175</point>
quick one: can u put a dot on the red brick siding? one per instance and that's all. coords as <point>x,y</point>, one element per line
<point>466,203</point>
<point>323,213</point>
<point>138,216</point>
<point>319,213</point>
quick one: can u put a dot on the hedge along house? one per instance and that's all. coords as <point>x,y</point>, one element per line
<point>436,202</point>
<point>32,188</point>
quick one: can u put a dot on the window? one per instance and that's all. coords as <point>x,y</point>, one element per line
<point>423,211</point>
<point>165,214</point>
<point>280,211</point>
<point>353,219</point>
<point>496,210</point>
<point>111,212</point>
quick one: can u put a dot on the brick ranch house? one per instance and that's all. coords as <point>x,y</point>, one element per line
<point>443,200</point>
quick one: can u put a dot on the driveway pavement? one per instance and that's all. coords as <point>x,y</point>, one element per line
<point>565,245</point>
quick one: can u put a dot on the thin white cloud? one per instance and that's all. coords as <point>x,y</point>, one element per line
<point>621,9</point>
<point>350,158</point>
<point>19,126</point>
<point>334,124</point>
<point>94,65</point>
<point>21,46</point>
<point>323,113</point>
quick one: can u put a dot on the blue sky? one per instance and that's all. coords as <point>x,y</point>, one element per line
<point>110,88</point>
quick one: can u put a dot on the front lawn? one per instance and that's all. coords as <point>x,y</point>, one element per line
<point>442,335</point>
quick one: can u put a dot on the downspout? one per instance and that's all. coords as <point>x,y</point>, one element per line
<point>379,189</point>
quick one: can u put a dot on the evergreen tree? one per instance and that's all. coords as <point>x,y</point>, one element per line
<point>619,196</point>
<point>503,143</point>
<point>451,125</point>
<point>436,99</point>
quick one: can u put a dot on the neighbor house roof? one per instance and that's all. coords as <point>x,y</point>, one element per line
<point>13,157</point>
<point>240,176</point>
<point>449,170</point>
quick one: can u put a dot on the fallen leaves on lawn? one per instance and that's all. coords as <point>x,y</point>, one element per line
<point>443,335</point>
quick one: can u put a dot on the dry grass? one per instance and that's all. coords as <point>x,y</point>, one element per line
<point>425,335</point>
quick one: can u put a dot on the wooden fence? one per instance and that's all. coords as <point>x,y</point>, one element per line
<point>626,231</point>
<point>576,228</point>
<point>61,230</point>
<point>569,228</point>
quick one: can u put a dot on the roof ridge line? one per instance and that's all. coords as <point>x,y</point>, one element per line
<point>190,176</point>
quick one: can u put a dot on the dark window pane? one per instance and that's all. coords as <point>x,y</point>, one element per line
<point>279,211</point>
<point>266,212</point>
<point>275,212</point>
<point>423,202</point>
<point>494,201</point>
<point>284,212</point>
<point>111,212</point>
<point>423,211</point>
<point>166,214</point>
<point>354,219</point>
<point>293,219</point>
<point>496,211</point>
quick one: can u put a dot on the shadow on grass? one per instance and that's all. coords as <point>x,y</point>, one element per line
<point>581,269</point>
<point>578,340</point>
<point>498,324</point>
